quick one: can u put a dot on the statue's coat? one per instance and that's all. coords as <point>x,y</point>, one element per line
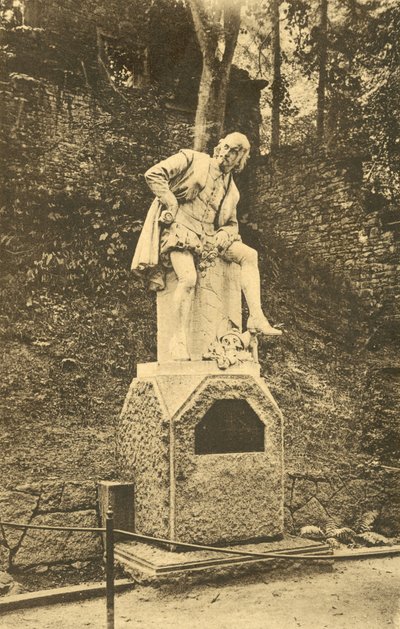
<point>180,177</point>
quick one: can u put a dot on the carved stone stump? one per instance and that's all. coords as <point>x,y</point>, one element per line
<point>217,297</point>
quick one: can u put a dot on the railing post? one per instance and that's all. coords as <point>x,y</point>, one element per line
<point>110,568</point>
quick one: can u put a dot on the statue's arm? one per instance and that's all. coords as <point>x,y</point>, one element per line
<point>159,178</point>
<point>231,227</point>
<point>228,212</point>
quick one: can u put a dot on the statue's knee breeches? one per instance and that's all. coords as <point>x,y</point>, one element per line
<point>241,254</point>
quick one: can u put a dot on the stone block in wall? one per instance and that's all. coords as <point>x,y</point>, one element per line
<point>77,496</point>
<point>348,504</point>
<point>47,547</point>
<point>29,488</point>
<point>373,494</point>
<point>50,496</point>
<point>17,507</point>
<point>324,492</point>
<point>312,513</point>
<point>289,484</point>
<point>303,491</point>
<point>374,232</point>
<point>4,558</point>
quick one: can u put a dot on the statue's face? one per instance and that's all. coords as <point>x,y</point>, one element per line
<point>231,341</point>
<point>229,154</point>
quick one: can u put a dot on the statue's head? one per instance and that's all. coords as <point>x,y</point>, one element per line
<point>232,152</point>
<point>235,340</point>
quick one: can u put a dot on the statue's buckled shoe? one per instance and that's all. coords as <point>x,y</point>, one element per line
<point>261,324</point>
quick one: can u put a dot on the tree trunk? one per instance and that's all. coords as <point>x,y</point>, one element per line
<point>211,106</point>
<point>217,26</point>
<point>33,13</point>
<point>322,48</point>
<point>276,81</point>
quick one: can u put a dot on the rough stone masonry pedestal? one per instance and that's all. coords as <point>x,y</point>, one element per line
<point>204,450</point>
<point>203,446</point>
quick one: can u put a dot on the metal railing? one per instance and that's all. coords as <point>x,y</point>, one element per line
<point>110,532</point>
<point>109,538</point>
<point>110,593</point>
<point>109,553</point>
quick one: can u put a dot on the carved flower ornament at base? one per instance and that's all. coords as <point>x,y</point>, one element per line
<point>231,347</point>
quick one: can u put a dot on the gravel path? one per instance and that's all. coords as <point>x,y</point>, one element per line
<point>354,595</point>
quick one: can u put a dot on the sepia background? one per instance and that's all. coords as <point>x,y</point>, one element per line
<point>92,94</point>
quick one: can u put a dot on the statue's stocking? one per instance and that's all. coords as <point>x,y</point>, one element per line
<point>247,258</point>
<point>250,283</point>
<point>183,265</point>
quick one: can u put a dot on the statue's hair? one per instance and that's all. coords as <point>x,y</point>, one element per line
<point>238,138</point>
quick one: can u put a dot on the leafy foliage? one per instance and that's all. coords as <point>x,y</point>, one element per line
<point>379,57</point>
<point>373,539</point>
<point>362,79</point>
<point>363,60</point>
<point>74,197</point>
<point>344,534</point>
<point>312,532</point>
<point>333,542</point>
<point>335,535</point>
<point>331,527</point>
<point>367,521</point>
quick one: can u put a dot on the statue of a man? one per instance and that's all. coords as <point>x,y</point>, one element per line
<point>195,211</point>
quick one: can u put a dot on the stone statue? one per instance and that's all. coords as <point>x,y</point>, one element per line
<point>192,219</point>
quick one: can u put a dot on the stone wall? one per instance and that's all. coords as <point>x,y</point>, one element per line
<point>315,204</point>
<point>67,150</point>
<point>312,499</point>
<point>319,209</point>
<point>64,129</point>
<point>49,503</point>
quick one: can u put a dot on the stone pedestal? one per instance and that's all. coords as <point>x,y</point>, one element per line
<point>217,297</point>
<point>204,451</point>
<point>119,497</point>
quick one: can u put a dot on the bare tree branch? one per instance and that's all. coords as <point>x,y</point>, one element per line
<point>232,27</point>
<point>204,31</point>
